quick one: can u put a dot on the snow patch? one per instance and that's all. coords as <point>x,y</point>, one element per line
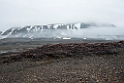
<point>66,38</point>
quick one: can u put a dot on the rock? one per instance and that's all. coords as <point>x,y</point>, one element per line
<point>72,49</point>
<point>0,32</point>
<point>67,50</point>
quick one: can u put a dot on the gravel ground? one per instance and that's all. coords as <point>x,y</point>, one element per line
<point>84,69</point>
<point>87,69</point>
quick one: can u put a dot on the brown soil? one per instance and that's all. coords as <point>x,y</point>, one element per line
<point>66,63</point>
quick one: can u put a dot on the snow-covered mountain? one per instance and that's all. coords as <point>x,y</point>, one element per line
<point>48,31</point>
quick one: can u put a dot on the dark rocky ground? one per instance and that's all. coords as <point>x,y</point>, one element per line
<point>10,45</point>
<point>62,61</point>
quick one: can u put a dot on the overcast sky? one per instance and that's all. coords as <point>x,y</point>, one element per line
<point>18,13</point>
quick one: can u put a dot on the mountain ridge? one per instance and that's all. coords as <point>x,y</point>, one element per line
<point>29,31</point>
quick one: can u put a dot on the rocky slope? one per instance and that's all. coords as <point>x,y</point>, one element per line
<point>0,32</point>
<point>67,50</point>
<point>73,49</point>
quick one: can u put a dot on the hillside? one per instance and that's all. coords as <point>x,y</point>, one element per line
<point>48,31</point>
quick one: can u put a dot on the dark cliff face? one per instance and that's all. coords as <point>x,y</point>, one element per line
<point>0,32</point>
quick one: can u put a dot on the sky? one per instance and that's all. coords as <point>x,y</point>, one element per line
<point>19,13</point>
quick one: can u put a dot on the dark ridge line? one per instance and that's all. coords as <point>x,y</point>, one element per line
<point>67,50</point>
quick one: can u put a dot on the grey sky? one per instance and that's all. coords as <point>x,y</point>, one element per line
<point>32,12</point>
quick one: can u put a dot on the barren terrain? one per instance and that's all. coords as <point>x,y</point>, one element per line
<point>64,62</point>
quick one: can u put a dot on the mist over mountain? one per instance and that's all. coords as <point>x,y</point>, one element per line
<point>61,30</point>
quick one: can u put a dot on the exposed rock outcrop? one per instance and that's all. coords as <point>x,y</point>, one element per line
<point>0,32</point>
<point>68,50</point>
<point>73,49</point>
